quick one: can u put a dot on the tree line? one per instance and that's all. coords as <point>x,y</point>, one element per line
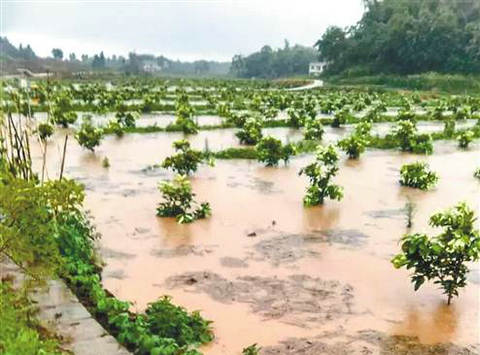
<point>405,37</point>
<point>270,63</point>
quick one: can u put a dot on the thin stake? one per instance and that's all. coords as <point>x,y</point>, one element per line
<point>63,157</point>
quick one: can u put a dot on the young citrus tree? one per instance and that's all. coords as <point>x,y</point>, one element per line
<point>313,129</point>
<point>353,145</point>
<point>186,160</point>
<point>320,174</point>
<point>178,201</point>
<point>251,133</point>
<point>270,151</point>
<point>185,113</point>
<point>465,138</point>
<point>88,135</point>
<point>418,175</point>
<point>444,257</point>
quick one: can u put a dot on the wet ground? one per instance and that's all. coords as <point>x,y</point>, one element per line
<point>267,270</point>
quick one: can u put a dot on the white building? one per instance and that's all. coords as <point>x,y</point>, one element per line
<point>316,68</point>
<point>151,67</point>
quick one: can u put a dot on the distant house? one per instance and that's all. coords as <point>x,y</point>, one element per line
<point>151,66</point>
<point>315,68</point>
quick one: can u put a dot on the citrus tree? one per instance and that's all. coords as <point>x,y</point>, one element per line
<point>178,201</point>
<point>270,151</point>
<point>444,257</point>
<point>313,129</point>
<point>88,136</point>
<point>320,173</point>
<point>465,138</point>
<point>418,175</point>
<point>251,132</point>
<point>186,160</point>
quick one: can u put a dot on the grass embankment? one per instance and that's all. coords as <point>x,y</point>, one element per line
<point>308,146</point>
<point>449,83</point>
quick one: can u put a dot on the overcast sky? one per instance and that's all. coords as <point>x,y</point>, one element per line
<point>185,30</point>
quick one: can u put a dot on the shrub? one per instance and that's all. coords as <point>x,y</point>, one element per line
<point>251,133</point>
<point>404,133</point>
<point>45,131</point>
<point>253,349</point>
<point>179,203</point>
<point>313,129</point>
<point>422,144</point>
<point>169,321</point>
<point>184,120</point>
<point>444,257</point>
<point>341,117</point>
<point>297,117</point>
<point>127,119</point>
<point>418,175</point>
<point>186,160</point>
<point>89,136</point>
<point>477,173</point>
<point>270,151</point>
<point>465,138</point>
<point>353,145</point>
<point>449,128</point>
<point>319,174</point>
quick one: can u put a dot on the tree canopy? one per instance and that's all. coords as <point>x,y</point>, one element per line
<point>270,63</point>
<point>404,37</point>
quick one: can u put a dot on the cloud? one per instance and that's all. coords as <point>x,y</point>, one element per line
<point>186,30</point>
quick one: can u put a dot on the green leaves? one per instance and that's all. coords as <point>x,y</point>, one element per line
<point>319,174</point>
<point>251,132</point>
<point>442,258</point>
<point>186,160</point>
<point>270,151</point>
<point>89,136</point>
<point>179,203</point>
<point>418,175</point>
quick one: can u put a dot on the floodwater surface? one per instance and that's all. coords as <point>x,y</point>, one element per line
<point>266,269</point>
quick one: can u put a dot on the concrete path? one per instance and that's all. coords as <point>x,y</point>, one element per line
<point>61,312</point>
<point>315,84</point>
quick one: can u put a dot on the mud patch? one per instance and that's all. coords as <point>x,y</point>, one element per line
<point>365,342</point>
<point>108,253</point>
<point>298,300</point>
<point>255,184</point>
<point>184,250</point>
<point>229,261</point>
<point>397,213</point>
<point>290,248</point>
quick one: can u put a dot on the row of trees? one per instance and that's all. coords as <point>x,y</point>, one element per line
<point>270,63</point>
<point>404,36</point>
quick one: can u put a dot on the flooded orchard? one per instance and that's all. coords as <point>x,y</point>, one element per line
<point>267,270</point>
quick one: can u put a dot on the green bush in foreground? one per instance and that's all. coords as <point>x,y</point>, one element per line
<point>320,174</point>
<point>442,258</point>
<point>418,175</point>
<point>270,151</point>
<point>179,203</point>
<point>313,129</point>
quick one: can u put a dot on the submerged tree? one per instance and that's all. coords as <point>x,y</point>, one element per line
<point>88,135</point>
<point>418,175</point>
<point>179,201</point>
<point>251,133</point>
<point>270,151</point>
<point>187,159</point>
<point>320,174</point>
<point>444,257</point>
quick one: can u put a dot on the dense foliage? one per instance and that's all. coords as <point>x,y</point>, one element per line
<point>444,257</point>
<point>88,135</point>
<point>270,151</point>
<point>418,175</point>
<point>270,63</point>
<point>404,36</point>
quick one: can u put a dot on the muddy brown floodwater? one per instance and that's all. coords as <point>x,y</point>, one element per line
<point>309,280</point>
